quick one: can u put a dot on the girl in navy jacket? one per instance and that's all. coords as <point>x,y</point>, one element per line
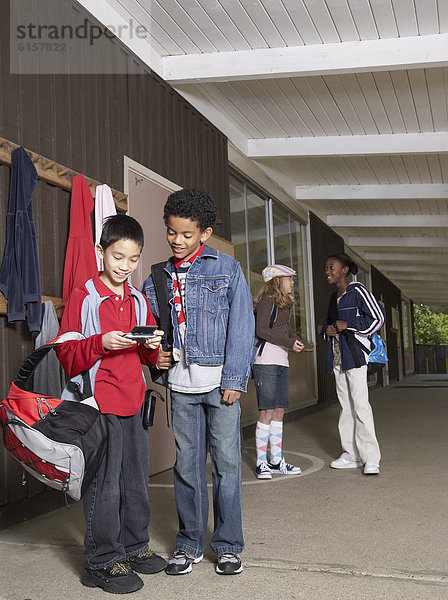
<point>353,314</point>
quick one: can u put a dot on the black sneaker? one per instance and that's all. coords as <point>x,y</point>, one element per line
<point>284,468</point>
<point>263,471</point>
<point>181,563</point>
<point>117,579</point>
<point>229,564</point>
<point>147,562</point>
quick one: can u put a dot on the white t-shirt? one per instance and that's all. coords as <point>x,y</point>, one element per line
<point>189,379</point>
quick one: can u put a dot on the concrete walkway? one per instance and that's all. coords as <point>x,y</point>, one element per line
<point>325,534</point>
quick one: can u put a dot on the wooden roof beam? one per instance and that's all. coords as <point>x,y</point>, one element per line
<point>387,220</point>
<point>349,145</point>
<point>398,268</point>
<point>399,242</point>
<point>407,257</point>
<point>418,276</point>
<point>411,52</point>
<point>390,191</point>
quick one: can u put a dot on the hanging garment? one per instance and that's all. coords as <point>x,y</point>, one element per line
<point>104,207</point>
<point>20,274</point>
<point>49,375</point>
<point>80,259</point>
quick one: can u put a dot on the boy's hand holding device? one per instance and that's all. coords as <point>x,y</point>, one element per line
<point>141,333</point>
<point>148,335</point>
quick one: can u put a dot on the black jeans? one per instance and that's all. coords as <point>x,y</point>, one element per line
<point>116,505</point>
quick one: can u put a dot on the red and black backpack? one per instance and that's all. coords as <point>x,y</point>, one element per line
<point>59,442</point>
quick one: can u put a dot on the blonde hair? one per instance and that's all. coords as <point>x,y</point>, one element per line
<point>274,289</point>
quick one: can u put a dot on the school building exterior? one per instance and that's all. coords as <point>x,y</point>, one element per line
<point>132,130</point>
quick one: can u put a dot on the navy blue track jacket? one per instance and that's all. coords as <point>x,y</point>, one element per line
<point>364,316</point>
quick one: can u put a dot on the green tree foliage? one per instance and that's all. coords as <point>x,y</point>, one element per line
<point>430,327</point>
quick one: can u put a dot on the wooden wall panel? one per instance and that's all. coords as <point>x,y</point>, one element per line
<point>90,123</point>
<point>324,242</point>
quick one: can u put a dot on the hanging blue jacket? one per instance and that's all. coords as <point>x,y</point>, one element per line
<point>364,315</point>
<point>20,274</point>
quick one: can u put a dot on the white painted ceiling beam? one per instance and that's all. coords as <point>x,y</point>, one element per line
<point>397,268</point>
<point>424,51</point>
<point>428,299</point>
<point>400,242</point>
<point>399,191</point>
<point>425,297</point>
<point>431,286</point>
<point>387,220</point>
<point>425,290</point>
<point>349,145</point>
<point>418,276</point>
<point>408,257</point>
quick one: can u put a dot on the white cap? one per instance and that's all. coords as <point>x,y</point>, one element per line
<point>272,271</point>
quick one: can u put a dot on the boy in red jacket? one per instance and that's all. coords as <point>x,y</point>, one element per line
<point>116,504</point>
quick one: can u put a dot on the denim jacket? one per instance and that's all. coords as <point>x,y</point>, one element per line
<point>219,315</point>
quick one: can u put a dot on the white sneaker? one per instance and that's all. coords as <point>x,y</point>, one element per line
<point>343,463</point>
<point>263,471</point>
<point>371,468</point>
<point>181,563</point>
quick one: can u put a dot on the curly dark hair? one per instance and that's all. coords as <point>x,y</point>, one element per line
<point>191,204</point>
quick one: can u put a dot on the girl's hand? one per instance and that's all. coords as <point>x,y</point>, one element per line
<point>154,342</point>
<point>341,325</point>
<point>298,346</point>
<point>115,340</point>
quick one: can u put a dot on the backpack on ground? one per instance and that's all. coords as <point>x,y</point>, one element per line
<point>60,442</point>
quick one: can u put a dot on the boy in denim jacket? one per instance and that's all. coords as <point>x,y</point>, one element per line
<point>213,340</point>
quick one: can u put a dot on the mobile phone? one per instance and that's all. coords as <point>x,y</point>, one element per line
<point>141,333</point>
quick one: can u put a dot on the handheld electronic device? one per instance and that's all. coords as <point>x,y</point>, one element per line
<point>141,333</point>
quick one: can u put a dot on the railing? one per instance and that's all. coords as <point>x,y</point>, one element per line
<point>430,358</point>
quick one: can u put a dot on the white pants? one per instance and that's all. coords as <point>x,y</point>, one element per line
<point>356,426</point>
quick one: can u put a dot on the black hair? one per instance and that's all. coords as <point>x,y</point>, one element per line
<point>191,204</point>
<point>121,227</point>
<point>346,261</point>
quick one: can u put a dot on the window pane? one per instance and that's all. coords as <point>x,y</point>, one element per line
<point>362,276</point>
<point>238,223</point>
<point>406,324</point>
<point>256,225</point>
<point>299,310</point>
<point>288,251</point>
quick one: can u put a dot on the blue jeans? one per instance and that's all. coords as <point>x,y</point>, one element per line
<point>116,505</point>
<point>272,386</point>
<point>199,419</point>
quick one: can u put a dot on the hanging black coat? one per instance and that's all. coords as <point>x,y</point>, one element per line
<point>20,273</point>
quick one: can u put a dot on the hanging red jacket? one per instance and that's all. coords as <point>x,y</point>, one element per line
<point>80,257</point>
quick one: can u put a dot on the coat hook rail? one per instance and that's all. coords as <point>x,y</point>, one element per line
<point>57,303</point>
<point>58,175</point>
